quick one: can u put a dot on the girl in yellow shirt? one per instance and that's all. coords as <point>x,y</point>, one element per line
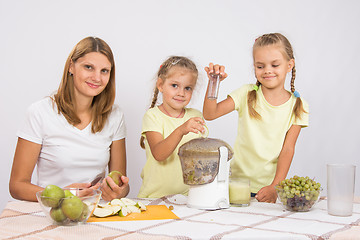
<point>167,126</point>
<point>270,117</point>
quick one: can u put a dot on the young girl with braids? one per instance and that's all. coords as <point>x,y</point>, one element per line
<point>167,126</point>
<point>270,117</point>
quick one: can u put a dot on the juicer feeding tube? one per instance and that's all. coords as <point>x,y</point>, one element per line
<point>223,173</point>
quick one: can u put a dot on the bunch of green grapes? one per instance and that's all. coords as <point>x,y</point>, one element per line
<point>298,193</point>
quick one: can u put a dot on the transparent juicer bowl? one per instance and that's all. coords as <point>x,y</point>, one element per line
<point>200,160</point>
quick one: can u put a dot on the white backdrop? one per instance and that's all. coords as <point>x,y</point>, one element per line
<point>37,36</point>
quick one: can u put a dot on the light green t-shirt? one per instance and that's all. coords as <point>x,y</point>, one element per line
<point>165,177</point>
<point>259,142</point>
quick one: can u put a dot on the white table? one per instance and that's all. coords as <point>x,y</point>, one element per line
<point>24,220</point>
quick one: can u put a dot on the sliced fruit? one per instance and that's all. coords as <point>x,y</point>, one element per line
<point>133,209</point>
<point>141,206</point>
<point>115,209</point>
<point>122,207</point>
<point>117,202</point>
<point>103,212</point>
<point>204,134</point>
<point>124,212</point>
<point>102,205</point>
<point>128,202</point>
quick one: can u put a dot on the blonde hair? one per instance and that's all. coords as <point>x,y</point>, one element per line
<point>283,42</point>
<point>102,104</point>
<point>164,72</point>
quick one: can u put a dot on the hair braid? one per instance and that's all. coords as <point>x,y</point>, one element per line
<point>298,107</point>
<point>154,100</point>
<point>293,74</point>
<point>286,48</point>
<point>252,103</point>
<point>163,73</point>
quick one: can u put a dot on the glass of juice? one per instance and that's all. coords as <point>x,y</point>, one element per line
<point>239,192</point>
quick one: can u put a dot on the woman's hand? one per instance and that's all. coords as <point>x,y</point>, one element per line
<point>267,194</point>
<point>79,185</point>
<point>216,69</point>
<point>85,189</point>
<point>195,125</point>
<point>111,190</point>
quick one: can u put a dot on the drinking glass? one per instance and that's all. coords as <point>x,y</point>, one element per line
<point>214,82</point>
<point>340,189</point>
<point>239,192</point>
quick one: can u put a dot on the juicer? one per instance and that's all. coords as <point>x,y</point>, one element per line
<point>205,164</point>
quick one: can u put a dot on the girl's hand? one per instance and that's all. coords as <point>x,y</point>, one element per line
<point>114,190</point>
<point>217,69</point>
<point>267,194</point>
<point>195,125</point>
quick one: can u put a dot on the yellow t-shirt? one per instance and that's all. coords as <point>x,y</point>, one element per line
<point>259,142</point>
<point>165,177</point>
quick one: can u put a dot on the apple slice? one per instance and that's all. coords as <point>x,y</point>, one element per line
<point>124,212</point>
<point>103,212</point>
<point>128,202</point>
<point>117,202</point>
<point>133,209</point>
<point>115,209</point>
<point>141,206</point>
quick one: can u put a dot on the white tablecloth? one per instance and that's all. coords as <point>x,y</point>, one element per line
<point>24,220</point>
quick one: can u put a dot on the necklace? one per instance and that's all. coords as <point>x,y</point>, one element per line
<point>167,113</point>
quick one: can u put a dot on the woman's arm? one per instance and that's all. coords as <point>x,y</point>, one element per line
<point>117,162</point>
<point>268,193</point>
<point>25,158</point>
<point>162,148</point>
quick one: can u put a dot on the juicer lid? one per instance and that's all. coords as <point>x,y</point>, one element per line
<point>204,146</point>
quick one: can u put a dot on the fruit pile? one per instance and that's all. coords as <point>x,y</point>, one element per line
<point>121,207</point>
<point>298,193</point>
<point>65,206</point>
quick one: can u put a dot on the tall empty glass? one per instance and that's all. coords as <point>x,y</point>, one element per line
<point>340,189</point>
<point>214,82</point>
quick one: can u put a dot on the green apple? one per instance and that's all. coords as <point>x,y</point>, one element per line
<point>116,176</point>
<point>52,195</point>
<point>68,194</point>
<point>57,215</point>
<point>72,207</point>
<point>85,213</point>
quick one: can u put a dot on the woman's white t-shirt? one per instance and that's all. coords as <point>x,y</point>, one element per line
<point>69,155</point>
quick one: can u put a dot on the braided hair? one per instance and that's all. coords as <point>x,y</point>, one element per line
<point>165,71</point>
<point>280,40</point>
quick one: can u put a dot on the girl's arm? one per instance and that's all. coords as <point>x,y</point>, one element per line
<point>25,158</point>
<point>268,193</point>
<point>162,148</point>
<point>212,109</point>
<point>117,162</point>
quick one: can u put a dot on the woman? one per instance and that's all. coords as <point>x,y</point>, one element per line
<point>74,135</point>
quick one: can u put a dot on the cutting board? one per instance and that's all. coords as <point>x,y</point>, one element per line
<point>153,212</point>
